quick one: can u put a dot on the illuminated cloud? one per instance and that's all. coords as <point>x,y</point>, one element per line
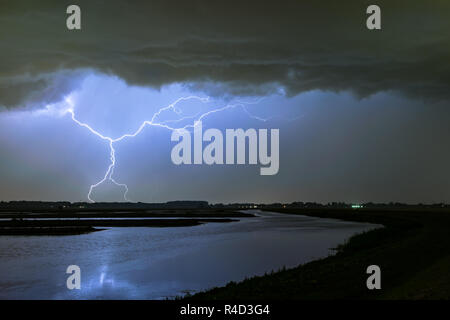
<point>226,47</point>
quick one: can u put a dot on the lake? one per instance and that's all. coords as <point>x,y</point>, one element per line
<point>162,263</point>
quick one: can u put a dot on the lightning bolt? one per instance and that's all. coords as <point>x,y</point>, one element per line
<point>152,122</point>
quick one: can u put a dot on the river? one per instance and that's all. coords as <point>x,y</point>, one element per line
<point>162,263</point>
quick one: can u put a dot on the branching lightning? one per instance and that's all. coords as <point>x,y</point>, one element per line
<point>152,122</point>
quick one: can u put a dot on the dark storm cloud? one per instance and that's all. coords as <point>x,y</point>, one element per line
<point>240,47</point>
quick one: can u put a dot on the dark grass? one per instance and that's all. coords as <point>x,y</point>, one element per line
<point>46,231</point>
<point>15,212</point>
<point>57,222</point>
<point>412,250</point>
<point>128,214</point>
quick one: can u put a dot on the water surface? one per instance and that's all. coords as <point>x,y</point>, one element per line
<point>159,263</point>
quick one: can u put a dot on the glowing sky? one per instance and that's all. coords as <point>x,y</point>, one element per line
<point>363,116</point>
<point>332,147</point>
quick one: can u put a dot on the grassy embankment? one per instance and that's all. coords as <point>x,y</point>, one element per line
<point>413,252</point>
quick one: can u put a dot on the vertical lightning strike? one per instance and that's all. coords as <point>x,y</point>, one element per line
<point>153,122</point>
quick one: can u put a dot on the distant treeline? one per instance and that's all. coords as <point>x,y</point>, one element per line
<point>64,205</point>
<point>335,205</point>
<point>83,206</point>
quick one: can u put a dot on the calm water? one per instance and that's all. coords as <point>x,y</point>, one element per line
<point>158,263</point>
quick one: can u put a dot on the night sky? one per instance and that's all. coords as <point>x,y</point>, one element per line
<point>363,115</point>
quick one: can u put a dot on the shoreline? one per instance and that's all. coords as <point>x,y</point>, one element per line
<point>128,214</point>
<point>72,223</point>
<point>47,231</point>
<point>412,250</point>
<point>56,227</point>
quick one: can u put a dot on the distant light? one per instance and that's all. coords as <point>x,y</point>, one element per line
<point>357,206</point>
